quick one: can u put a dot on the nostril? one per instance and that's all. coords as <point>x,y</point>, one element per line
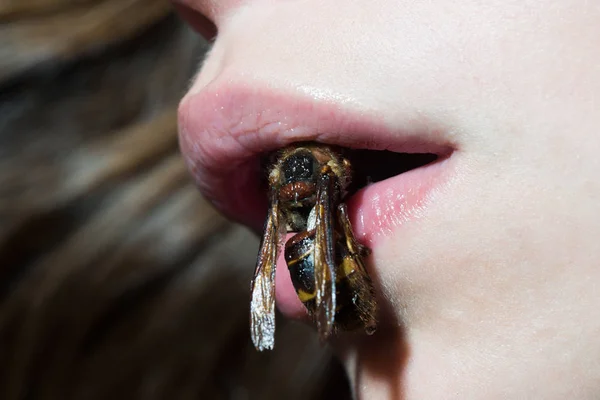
<point>196,20</point>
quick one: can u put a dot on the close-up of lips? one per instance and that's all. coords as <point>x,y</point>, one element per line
<point>226,132</point>
<point>464,184</point>
<point>299,199</point>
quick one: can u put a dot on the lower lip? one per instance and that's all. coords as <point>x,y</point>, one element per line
<point>379,209</point>
<point>376,212</point>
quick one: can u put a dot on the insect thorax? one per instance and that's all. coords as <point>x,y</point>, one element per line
<point>296,177</point>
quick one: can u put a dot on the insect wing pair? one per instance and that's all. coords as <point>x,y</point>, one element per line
<point>337,259</point>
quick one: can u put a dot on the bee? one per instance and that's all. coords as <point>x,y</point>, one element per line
<point>307,185</point>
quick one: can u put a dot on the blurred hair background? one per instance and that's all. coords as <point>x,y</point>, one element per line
<point>117,280</point>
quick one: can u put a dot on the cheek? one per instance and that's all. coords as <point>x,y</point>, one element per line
<point>510,242</point>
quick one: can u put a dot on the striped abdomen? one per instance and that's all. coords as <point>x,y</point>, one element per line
<point>351,294</point>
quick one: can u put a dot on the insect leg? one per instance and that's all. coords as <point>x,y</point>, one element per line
<point>360,280</point>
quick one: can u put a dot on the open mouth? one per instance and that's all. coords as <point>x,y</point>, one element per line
<point>369,167</point>
<point>372,166</point>
<point>386,186</point>
<point>225,129</point>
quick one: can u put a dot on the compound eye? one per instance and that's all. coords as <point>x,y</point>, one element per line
<point>299,167</point>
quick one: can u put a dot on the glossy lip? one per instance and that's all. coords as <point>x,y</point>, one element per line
<point>225,128</point>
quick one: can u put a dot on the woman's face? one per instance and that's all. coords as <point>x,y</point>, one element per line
<point>487,263</point>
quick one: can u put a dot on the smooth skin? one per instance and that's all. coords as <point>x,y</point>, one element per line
<point>494,290</point>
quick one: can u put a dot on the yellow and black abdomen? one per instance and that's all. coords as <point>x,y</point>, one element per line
<point>353,298</point>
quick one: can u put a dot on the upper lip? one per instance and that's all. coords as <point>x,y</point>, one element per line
<point>225,128</point>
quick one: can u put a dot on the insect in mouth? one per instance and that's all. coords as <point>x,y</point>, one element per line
<point>307,186</point>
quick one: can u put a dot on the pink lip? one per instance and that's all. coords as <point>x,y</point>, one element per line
<point>225,128</point>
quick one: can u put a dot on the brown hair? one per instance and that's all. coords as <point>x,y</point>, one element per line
<point>117,280</point>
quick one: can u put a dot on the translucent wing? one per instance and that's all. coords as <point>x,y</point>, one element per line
<point>324,255</point>
<point>262,305</point>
